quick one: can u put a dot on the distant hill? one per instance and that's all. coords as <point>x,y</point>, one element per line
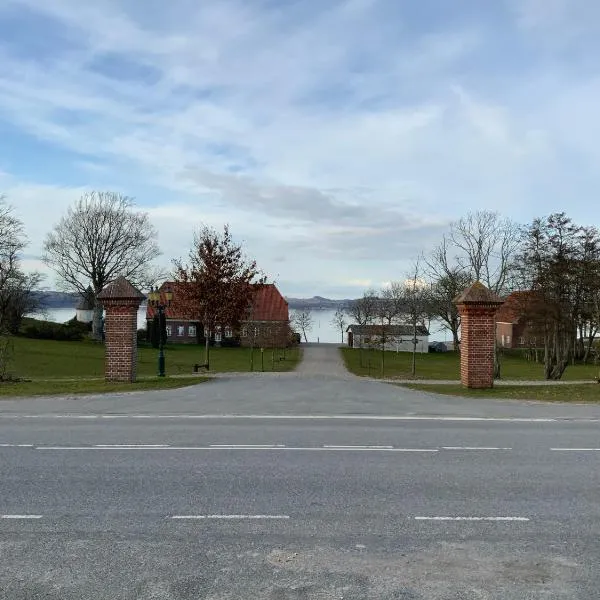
<point>54,299</point>
<point>318,303</point>
<point>51,299</point>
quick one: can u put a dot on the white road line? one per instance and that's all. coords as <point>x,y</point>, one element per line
<point>132,446</point>
<point>336,447</point>
<point>237,448</point>
<point>230,517</point>
<point>16,445</point>
<point>575,449</point>
<point>312,418</point>
<point>471,519</point>
<point>248,446</point>
<point>20,516</point>
<point>473,448</point>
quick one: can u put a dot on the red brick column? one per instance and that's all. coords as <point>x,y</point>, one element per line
<point>477,307</point>
<point>121,302</point>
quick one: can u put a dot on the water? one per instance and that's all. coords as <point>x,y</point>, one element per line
<point>323,330</point>
<point>62,315</point>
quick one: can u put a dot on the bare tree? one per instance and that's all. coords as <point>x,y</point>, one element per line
<point>447,281</point>
<point>389,308</point>
<point>340,320</point>
<point>216,286</point>
<point>486,246</point>
<point>303,320</point>
<point>16,287</point>
<point>99,239</point>
<point>417,306</point>
<point>363,311</point>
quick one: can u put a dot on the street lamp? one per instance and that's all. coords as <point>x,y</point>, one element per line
<point>161,302</point>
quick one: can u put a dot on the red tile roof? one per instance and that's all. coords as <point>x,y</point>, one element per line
<point>515,306</point>
<point>268,304</point>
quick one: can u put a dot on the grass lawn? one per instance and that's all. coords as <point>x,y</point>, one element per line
<point>586,392</point>
<point>92,386</point>
<point>446,366</point>
<point>47,359</point>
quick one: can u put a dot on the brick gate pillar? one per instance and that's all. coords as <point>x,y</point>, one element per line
<point>121,302</point>
<point>477,307</point>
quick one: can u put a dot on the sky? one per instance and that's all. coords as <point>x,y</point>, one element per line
<point>337,138</point>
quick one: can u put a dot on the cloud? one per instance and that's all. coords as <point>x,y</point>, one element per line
<point>335,138</point>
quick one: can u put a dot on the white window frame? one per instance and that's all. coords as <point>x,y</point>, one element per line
<point>244,331</point>
<point>228,332</point>
<point>192,331</point>
<point>169,330</point>
<point>180,330</point>
<point>218,336</point>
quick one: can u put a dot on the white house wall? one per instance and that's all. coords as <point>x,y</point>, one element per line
<point>395,345</point>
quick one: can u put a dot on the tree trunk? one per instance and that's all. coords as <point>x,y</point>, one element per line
<point>497,362</point>
<point>589,344</point>
<point>455,338</point>
<point>207,348</point>
<point>97,327</point>
<point>413,368</point>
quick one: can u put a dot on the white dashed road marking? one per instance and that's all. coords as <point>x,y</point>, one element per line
<point>20,516</point>
<point>230,517</point>
<point>473,448</point>
<point>575,449</point>
<point>471,519</point>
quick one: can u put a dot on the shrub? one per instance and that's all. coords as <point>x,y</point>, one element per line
<point>232,342</point>
<point>71,331</point>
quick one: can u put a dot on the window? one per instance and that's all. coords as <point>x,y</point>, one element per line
<point>508,340</point>
<point>180,330</point>
<point>218,335</point>
<point>169,331</point>
<point>228,332</point>
<point>522,341</point>
<point>244,332</point>
<point>192,331</point>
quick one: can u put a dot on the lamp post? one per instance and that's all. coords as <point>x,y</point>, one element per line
<point>161,302</point>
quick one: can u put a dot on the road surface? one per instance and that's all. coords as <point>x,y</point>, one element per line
<point>298,488</point>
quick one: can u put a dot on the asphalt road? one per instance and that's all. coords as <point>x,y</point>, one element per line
<point>298,487</point>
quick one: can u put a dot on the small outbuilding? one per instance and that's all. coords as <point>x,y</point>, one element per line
<point>84,312</point>
<point>393,337</point>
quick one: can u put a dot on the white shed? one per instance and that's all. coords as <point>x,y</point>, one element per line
<point>394,337</point>
<point>85,308</point>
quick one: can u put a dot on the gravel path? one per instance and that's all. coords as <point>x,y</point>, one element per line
<point>322,359</point>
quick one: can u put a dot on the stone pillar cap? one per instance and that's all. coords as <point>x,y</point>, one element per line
<point>478,294</point>
<point>120,289</point>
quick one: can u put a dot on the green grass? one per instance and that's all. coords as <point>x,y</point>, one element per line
<point>46,359</point>
<point>446,365</point>
<point>586,392</point>
<point>92,386</point>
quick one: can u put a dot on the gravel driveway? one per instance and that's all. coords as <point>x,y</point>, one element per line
<point>322,359</point>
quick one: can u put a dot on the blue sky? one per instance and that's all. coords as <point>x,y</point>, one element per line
<point>338,139</point>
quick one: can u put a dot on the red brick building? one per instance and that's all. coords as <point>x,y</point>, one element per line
<point>514,325</point>
<point>266,324</point>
